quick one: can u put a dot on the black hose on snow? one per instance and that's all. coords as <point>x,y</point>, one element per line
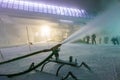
<point>28,55</point>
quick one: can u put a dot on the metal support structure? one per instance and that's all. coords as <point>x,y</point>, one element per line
<point>85,65</point>
<point>59,69</point>
<point>44,66</point>
<point>70,64</point>
<point>32,65</point>
<point>70,74</point>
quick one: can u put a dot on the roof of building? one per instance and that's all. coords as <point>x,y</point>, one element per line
<point>43,8</point>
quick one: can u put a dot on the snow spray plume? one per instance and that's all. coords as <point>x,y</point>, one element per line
<point>105,24</point>
<point>56,46</point>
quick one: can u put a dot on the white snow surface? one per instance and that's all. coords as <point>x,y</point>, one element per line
<point>103,60</point>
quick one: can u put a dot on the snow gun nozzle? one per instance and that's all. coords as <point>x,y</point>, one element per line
<point>56,46</point>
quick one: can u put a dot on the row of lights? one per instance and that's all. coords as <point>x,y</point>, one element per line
<point>44,8</point>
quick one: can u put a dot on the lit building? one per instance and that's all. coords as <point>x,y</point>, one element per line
<point>26,21</point>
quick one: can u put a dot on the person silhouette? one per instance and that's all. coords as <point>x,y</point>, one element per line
<point>115,41</point>
<point>106,40</point>
<point>93,39</point>
<point>100,40</point>
<point>87,39</point>
<point>56,53</point>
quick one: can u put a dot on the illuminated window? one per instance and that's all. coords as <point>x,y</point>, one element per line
<point>65,11</point>
<point>21,5</point>
<point>72,12</point>
<point>30,8</point>
<point>36,8</point>
<point>10,3</point>
<point>54,10</point>
<point>40,8</point>
<point>82,13</point>
<point>57,11</point>
<point>16,4</point>
<point>77,14</point>
<point>4,3</point>
<point>44,8</point>
<point>26,6</point>
<point>49,9</point>
<point>61,11</point>
<point>69,12</point>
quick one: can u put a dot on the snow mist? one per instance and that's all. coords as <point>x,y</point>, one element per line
<point>106,24</point>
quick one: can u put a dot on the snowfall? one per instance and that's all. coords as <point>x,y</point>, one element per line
<point>102,59</point>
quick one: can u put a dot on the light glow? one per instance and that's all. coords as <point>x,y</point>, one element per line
<point>37,34</point>
<point>45,31</point>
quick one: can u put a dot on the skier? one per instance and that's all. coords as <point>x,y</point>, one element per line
<point>93,39</point>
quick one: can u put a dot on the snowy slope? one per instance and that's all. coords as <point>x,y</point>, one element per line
<point>103,60</point>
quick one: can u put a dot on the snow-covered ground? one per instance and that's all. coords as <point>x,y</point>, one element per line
<point>103,60</point>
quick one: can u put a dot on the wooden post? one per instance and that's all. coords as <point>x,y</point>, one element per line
<point>1,55</point>
<point>28,39</point>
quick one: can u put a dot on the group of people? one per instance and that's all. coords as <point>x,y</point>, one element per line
<point>92,40</point>
<point>92,37</point>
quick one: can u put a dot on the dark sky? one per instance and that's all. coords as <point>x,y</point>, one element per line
<point>92,6</point>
